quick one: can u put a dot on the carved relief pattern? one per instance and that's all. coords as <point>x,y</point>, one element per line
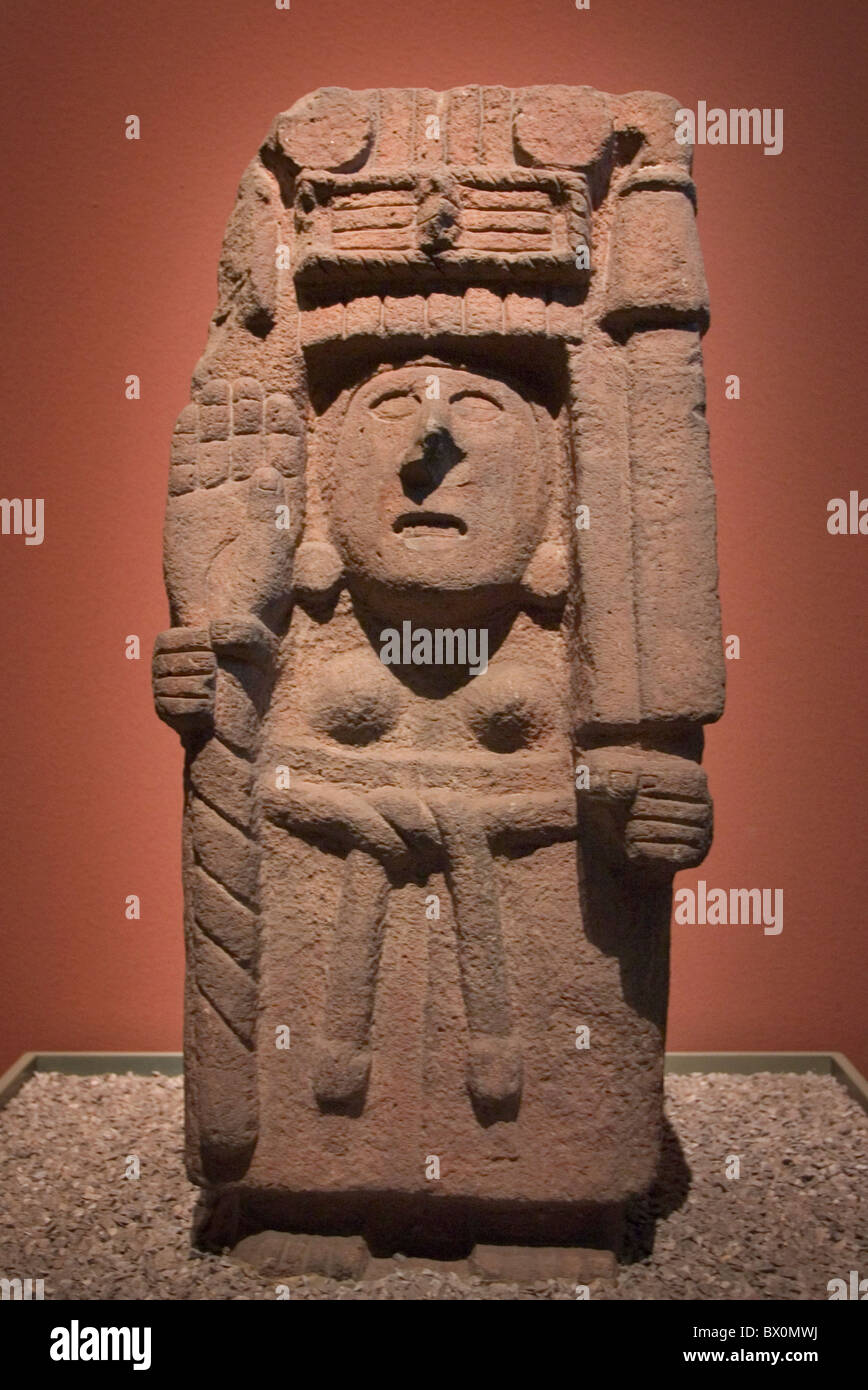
<point>447,324</point>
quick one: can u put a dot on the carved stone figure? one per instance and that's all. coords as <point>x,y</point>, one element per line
<point>440,555</point>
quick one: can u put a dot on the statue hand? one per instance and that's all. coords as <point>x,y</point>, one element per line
<point>252,575</point>
<point>655,805</point>
<point>184,669</point>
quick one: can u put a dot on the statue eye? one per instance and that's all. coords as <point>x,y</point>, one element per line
<point>396,407</point>
<point>473,406</point>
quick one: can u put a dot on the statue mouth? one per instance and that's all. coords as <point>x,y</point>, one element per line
<point>422,530</point>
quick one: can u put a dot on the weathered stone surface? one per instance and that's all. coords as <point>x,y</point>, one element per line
<point>510,1263</point>
<point>440,561</point>
<point>277,1253</point>
<point>287,1256</point>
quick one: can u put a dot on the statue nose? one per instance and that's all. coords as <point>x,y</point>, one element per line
<point>431,455</point>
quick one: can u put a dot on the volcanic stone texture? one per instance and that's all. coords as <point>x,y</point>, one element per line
<point>440,557</point>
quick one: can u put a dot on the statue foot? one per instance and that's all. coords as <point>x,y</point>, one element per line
<point>341,1072</point>
<point>494,1070</point>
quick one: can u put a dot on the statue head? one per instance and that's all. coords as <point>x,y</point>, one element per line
<point>438,483</point>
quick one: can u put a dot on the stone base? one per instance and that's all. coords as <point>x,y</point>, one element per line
<point>340,1231</point>
<point>285,1255</point>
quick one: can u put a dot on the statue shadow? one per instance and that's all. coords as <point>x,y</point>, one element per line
<point>626,915</point>
<point>667,1194</point>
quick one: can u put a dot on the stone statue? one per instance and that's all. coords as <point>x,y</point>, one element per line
<point>440,555</point>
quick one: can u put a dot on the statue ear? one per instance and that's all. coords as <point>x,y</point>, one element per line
<point>547,576</point>
<point>317,570</point>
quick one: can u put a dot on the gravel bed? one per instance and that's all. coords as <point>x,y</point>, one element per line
<point>796,1217</point>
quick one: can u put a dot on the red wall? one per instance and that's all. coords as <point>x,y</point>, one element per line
<point>110,269</point>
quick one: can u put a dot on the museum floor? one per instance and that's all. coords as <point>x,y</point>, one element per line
<point>795,1218</point>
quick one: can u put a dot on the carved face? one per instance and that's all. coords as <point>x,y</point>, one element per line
<point>438,491</point>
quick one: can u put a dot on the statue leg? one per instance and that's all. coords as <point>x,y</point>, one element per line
<point>494,1062</point>
<point>344,1061</point>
